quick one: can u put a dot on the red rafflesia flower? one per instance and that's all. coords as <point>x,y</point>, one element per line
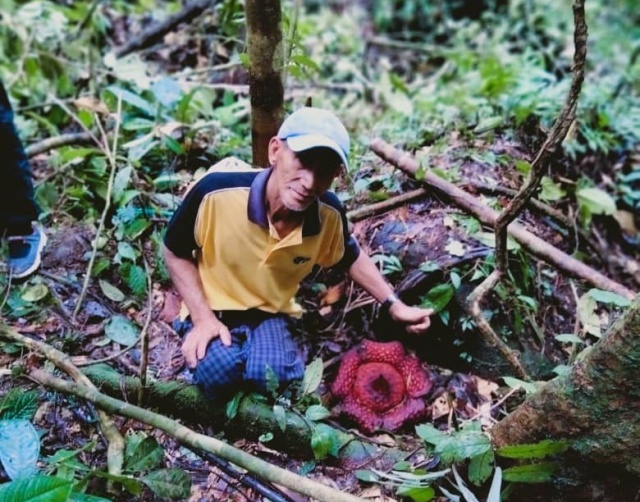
<point>381,387</point>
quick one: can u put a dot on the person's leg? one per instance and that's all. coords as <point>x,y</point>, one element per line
<point>219,373</point>
<point>17,204</point>
<point>18,208</point>
<point>271,344</point>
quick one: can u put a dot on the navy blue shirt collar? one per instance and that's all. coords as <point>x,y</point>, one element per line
<point>257,208</point>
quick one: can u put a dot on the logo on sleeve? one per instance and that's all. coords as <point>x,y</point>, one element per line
<point>298,260</point>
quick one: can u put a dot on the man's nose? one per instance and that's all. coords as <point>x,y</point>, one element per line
<point>309,179</point>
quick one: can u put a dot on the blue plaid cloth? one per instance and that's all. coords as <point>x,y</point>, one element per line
<point>258,340</point>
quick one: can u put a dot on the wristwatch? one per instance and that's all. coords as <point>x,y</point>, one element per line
<point>390,300</point>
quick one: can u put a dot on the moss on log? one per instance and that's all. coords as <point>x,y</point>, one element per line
<point>253,419</point>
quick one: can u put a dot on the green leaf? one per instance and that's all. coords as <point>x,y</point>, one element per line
<point>533,473</point>
<point>111,292</point>
<point>35,293</point>
<point>481,467</point>
<point>312,377</point>
<point>280,416</point>
<point>438,297</point>
<point>325,441</point>
<point>271,381</point>
<point>569,338</point>
<point>233,405</point>
<point>417,494</point>
<point>137,280</point>
<point>596,201</point>
<point>550,191</point>
<point>126,251</point>
<point>19,404</point>
<point>266,437</point>
<point>316,412</point>
<point>37,489</point>
<point>147,455</point>
<point>430,434</point>
<point>512,382</point>
<point>366,476</point>
<point>173,484</point>
<point>128,96</point>
<point>609,298</point>
<point>542,449</point>
<point>167,180</point>
<point>121,181</point>
<point>19,448</point>
<point>463,445</point>
<point>121,330</point>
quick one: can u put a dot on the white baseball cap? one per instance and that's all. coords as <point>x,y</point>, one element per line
<point>310,127</point>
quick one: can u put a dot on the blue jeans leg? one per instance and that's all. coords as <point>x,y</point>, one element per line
<point>17,204</point>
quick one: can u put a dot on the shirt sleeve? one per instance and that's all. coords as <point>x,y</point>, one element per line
<point>180,235</point>
<point>351,246</point>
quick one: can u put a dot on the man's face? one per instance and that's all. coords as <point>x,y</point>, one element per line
<point>302,177</point>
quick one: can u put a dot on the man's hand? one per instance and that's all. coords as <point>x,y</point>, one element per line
<point>195,346</point>
<point>417,320</point>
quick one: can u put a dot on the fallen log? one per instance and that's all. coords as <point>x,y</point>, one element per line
<point>535,245</point>
<point>253,419</point>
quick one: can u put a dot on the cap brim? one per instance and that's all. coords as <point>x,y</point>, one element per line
<point>309,141</point>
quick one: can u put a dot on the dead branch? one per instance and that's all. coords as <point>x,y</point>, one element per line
<point>155,32</point>
<point>535,245</point>
<point>385,205</point>
<point>193,439</point>
<point>76,138</point>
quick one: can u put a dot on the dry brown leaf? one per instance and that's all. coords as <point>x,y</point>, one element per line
<point>92,104</point>
<point>333,294</point>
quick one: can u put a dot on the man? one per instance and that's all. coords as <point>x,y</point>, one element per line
<point>240,244</point>
<point>18,209</point>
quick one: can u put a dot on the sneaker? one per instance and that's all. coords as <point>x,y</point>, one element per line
<point>25,253</point>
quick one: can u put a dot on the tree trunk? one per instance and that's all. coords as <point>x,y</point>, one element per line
<point>596,406</point>
<point>266,88</point>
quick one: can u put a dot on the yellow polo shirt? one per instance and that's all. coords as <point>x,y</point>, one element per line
<point>243,264</point>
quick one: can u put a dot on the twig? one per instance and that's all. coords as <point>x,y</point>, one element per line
<point>385,205</point>
<point>110,357</point>
<point>115,449</point>
<point>144,336</point>
<point>193,439</point>
<point>45,145</point>
<point>111,157</point>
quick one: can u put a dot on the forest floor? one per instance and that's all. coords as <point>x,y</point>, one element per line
<point>337,318</point>
<point>430,229</point>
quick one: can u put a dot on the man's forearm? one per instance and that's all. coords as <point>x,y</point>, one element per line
<point>365,273</point>
<point>186,279</point>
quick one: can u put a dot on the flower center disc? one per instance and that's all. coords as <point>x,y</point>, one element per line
<point>379,386</point>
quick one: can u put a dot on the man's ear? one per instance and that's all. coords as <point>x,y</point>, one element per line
<point>275,144</point>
